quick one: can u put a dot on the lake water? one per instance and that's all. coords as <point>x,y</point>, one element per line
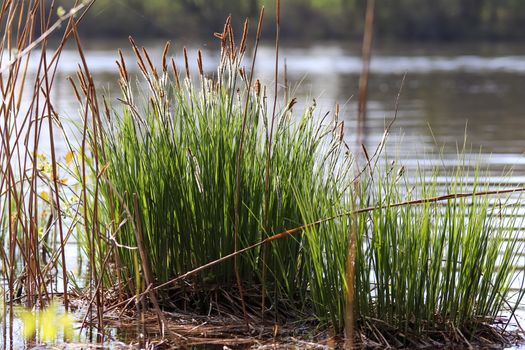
<point>450,92</point>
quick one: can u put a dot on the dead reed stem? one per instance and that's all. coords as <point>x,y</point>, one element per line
<point>92,234</point>
<point>366,56</point>
<point>26,90</point>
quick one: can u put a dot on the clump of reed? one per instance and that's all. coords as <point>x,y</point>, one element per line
<point>423,260</point>
<point>204,171</point>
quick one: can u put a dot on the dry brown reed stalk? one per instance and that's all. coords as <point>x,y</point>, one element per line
<point>175,73</point>
<point>150,63</point>
<point>199,63</point>
<point>366,55</point>
<point>121,64</point>
<point>350,278</point>
<point>92,233</point>
<point>49,111</point>
<point>165,56</point>
<point>25,105</point>
<point>203,78</point>
<point>186,63</point>
<point>140,61</point>
<point>244,38</point>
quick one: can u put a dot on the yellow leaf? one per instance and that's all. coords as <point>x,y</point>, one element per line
<point>45,196</point>
<point>69,157</point>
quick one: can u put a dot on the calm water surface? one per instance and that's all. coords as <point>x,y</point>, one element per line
<point>450,92</point>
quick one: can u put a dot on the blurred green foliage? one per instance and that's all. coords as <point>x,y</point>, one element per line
<point>311,19</point>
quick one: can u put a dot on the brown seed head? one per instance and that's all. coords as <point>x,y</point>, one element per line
<point>164,56</point>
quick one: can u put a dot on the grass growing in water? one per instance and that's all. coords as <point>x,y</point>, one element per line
<point>179,156</point>
<point>436,264</point>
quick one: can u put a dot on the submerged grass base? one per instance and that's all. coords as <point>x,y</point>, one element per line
<point>224,326</point>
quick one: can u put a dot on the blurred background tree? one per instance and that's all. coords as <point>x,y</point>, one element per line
<point>440,20</point>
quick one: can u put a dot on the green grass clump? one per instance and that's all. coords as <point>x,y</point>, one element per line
<point>417,266</point>
<point>438,263</point>
<point>179,155</point>
<point>442,263</point>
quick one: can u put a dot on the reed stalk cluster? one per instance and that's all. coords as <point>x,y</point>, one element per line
<point>38,208</point>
